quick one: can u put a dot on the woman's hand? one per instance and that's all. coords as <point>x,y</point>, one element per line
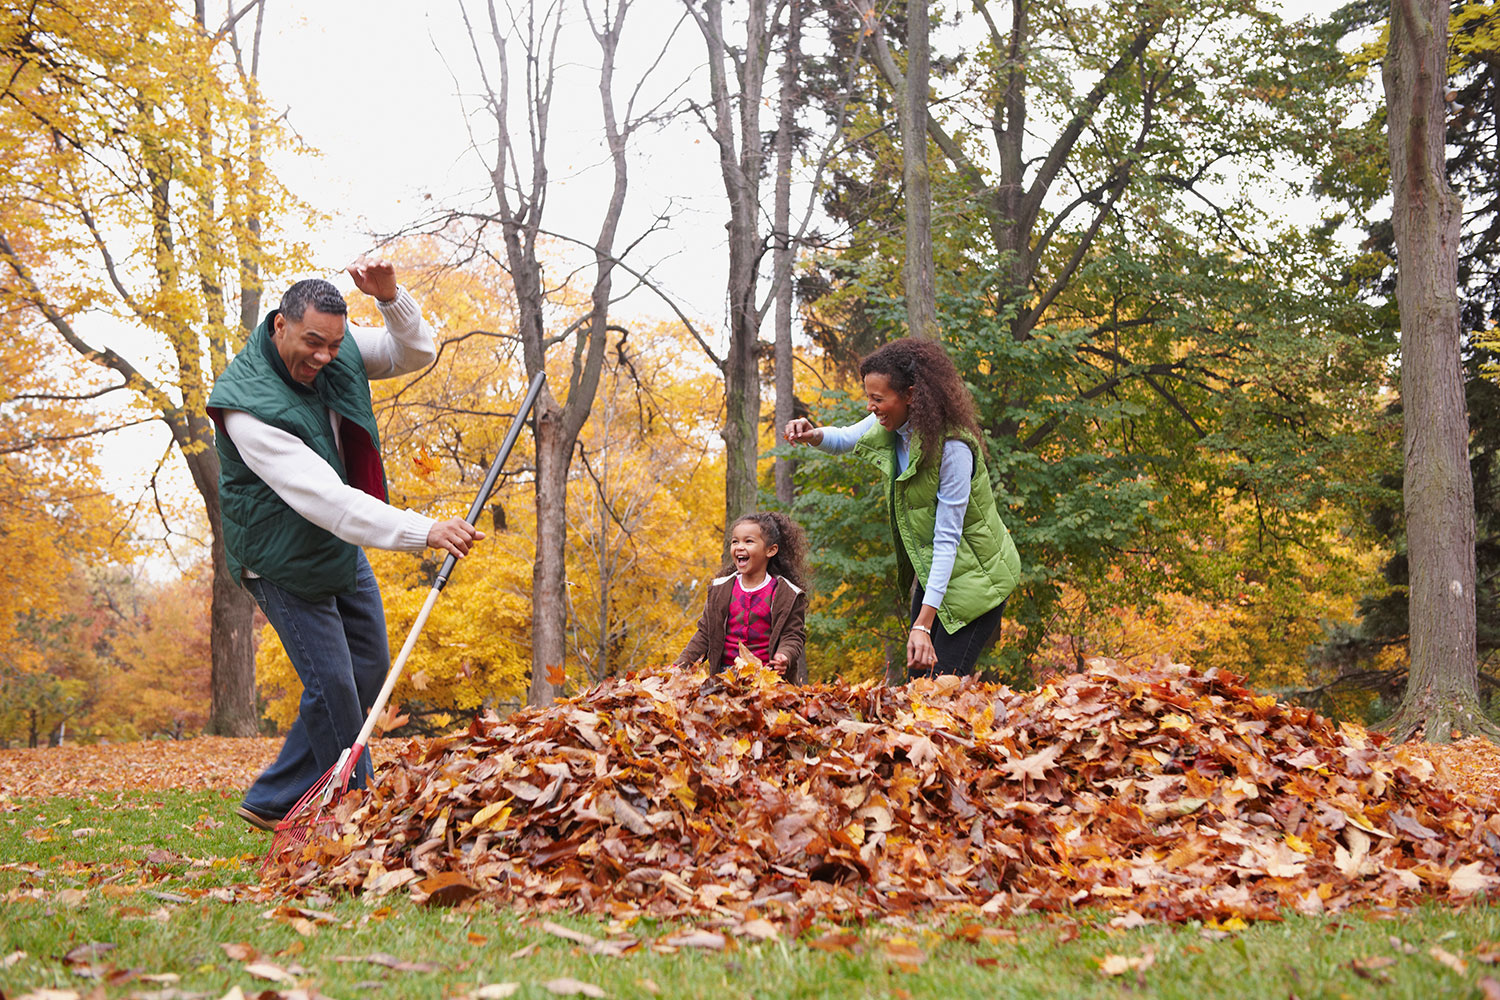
<point>801,431</point>
<point>920,656</point>
<point>779,662</point>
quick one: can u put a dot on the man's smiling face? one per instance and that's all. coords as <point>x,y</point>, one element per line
<point>309,343</point>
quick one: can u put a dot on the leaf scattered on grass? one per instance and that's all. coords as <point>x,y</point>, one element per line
<point>270,971</point>
<point>696,939</point>
<point>495,991</point>
<point>390,962</point>
<point>87,954</point>
<point>239,951</point>
<point>567,986</point>
<point>568,933</point>
<point>1116,965</point>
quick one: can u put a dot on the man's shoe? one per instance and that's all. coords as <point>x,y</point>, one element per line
<point>255,819</point>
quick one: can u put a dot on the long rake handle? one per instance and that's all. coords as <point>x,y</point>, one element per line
<point>394,675</point>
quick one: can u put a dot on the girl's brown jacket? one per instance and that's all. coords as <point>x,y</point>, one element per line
<point>788,628</point>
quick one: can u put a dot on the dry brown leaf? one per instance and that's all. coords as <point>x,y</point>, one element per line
<point>568,933</point>
<point>495,991</point>
<point>1470,878</point>
<point>566,986</point>
<point>836,942</point>
<point>1036,766</point>
<point>1449,959</point>
<point>391,718</point>
<point>389,962</point>
<point>758,928</point>
<point>696,939</point>
<point>905,954</point>
<point>271,971</point>
<point>240,952</point>
<point>447,889</point>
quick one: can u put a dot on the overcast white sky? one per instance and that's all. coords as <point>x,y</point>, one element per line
<point>380,88</point>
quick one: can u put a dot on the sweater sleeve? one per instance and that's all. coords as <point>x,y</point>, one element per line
<point>838,440</point>
<point>794,634</point>
<point>312,488</point>
<point>954,478</point>
<point>406,344</point>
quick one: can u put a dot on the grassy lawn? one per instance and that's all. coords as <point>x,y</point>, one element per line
<point>169,880</point>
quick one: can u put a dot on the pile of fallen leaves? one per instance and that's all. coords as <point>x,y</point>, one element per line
<point>1164,792</point>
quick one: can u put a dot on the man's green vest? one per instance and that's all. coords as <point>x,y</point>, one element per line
<point>986,568</point>
<point>261,532</point>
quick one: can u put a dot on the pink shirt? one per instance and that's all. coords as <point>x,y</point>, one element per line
<point>749,620</point>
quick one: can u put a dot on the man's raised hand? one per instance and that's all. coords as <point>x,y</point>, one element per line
<point>455,535</point>
<point>374,276</point>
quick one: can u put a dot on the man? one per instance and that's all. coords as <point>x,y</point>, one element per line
<point>301,488</point>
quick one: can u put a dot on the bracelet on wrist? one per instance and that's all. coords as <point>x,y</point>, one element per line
<point>921,628</point>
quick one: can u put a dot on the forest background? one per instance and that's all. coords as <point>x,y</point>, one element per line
<point>1160,252</point>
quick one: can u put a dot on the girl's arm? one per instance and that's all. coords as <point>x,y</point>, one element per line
<point>793,635</point>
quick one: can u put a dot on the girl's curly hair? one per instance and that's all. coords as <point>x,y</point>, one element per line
<point>940,402</point>
<point>790,540</point>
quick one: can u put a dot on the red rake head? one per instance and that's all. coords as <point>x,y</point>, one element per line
<point>312,814</point>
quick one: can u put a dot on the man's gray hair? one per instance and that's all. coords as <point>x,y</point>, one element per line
<point>315,292</point>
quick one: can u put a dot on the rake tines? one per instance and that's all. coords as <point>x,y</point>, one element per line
<point>312,810</point>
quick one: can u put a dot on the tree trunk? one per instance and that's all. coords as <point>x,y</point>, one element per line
<point>1441,693</point>
<point>782,261</point>
<point>549,572</point>
<point>232,711</point>
<point>741,156</point>
<point>921,291</point>
<point>741,381</point>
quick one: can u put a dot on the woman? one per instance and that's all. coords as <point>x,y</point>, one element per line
<point>952,550</point>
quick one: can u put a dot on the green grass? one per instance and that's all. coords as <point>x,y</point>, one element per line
<point>151,875</point>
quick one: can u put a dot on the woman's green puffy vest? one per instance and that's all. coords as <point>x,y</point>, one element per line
<point>986,568</point>
<point>261,532</point>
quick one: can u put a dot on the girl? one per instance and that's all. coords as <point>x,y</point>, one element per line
<point>952,550</point>
<point>759,600</point>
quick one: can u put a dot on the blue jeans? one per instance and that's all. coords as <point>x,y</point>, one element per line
<point>338,647</point>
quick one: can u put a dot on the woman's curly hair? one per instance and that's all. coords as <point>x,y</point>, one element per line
<point>790,560</point>
<point>940,402</point>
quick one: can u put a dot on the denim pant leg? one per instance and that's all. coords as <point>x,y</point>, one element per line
<point>363,616</point>
<point>330,645</point>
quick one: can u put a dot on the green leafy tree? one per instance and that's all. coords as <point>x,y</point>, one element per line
<point>1152,352</point>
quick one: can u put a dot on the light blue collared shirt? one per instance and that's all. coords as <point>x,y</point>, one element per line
<point>954,476</point>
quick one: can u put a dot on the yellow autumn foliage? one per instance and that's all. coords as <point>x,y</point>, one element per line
<point>643,504</point>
